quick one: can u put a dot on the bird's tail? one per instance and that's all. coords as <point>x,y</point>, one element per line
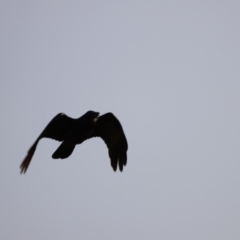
<point>26,161</point>
<point>64,150</point>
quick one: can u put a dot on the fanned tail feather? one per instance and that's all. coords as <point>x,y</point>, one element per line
<point>64,150</point>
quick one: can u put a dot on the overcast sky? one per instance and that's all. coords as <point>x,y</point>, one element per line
<point>169,71</point>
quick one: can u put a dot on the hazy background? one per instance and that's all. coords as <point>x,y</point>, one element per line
<point>169,70</point>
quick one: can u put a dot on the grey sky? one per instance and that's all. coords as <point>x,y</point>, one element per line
<point>169,70</point>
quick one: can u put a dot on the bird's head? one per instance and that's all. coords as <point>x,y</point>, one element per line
<point>92,115</point>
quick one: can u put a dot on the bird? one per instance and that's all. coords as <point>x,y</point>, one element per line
<point>73,131</point>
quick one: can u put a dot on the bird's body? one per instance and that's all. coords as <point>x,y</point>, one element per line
<point>75,131</point>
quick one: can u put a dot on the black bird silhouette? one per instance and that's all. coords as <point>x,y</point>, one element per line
<point>71,132</point>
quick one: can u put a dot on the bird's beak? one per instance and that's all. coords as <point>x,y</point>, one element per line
<point>96,117</point>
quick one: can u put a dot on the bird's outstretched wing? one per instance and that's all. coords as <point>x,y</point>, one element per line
<point>110,130</point>
<point>56,129</point>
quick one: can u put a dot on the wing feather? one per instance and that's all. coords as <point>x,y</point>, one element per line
<point>110,130</point>
<point>56,129</point>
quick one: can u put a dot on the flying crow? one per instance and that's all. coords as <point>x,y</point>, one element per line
<point>71,132</point>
